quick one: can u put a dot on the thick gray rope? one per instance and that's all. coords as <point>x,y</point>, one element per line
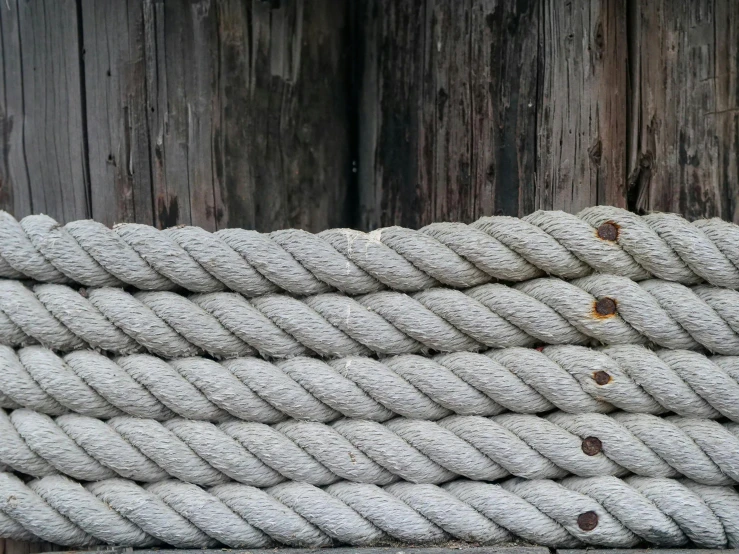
<point>600,511</point>
<point>453,254</point>
<point>363,451</point>
<point>598,308</point>
<point>573,379</point>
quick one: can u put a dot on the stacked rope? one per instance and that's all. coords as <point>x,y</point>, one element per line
<point>251,390</point>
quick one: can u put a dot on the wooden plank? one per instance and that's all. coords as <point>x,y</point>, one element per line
<point>582,111</point>
<point>447,110</point>
<point>53,107</point>
<point>243,133</point>
<point>116,111</point>
<point>688,108</point>
<point>44,159</point>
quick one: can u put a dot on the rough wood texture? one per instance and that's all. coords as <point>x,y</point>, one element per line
<point>207,112</point>
<point>582,108</point>
<point>688,107</point>
<point>491,106</point>
<point>44,167</point>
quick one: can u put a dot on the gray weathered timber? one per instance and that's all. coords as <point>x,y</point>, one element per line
<point>44,165</point>
<point>581,113</point>
<point>212,113</point>
<point>686,139</point>
<point>480,107</point>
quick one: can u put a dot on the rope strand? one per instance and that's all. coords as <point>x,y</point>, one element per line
<point>597,511</point>
<point>418,451</point>
<point>600,239</point>
<point>599,308</point>
<point>573,379</point>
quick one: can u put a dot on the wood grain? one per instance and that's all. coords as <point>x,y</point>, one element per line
<point>582,108</point>
<point>45,152</point>
<point>207,112</point>
<point>491,106</point>
<point>687,108</point>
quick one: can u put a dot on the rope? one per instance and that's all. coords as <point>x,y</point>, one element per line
<point>601,239</point>
<point>573,379</point>
<point>602,511</point>
<point>599,308</point>
<point>418,451</point>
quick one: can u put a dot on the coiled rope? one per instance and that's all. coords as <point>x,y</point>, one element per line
<point>599,239</point>
<point>598,308</point>
<point>573,379</point>
<point>417,451</point>
<point>603,511</point>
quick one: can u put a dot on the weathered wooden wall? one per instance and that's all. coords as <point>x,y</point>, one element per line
<point>500,106</point>
<point>322,113</point>
<point>215,113</point>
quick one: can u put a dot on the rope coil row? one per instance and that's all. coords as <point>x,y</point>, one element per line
<point>362,404</point>
<point>665,246</point>
<point>573,379</point>
<point>417,451</point>
<point>626,512</point>
<point>226,325</point>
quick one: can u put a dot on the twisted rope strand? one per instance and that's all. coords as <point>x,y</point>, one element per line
<point>665,246</point>
<point>602,511</point>
<point>418,451</point>
<point>599,308</point>
<point>573,379</point>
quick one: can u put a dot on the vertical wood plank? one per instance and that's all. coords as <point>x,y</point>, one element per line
<point>15,191</point>
<point>583,105</point>
<point>726,116</point>
<point>248,112</point>
<point>688,108</point>
<point>54,131</point>
<point>45,149</point>
<point>447,110</point>
<point>117,130</point>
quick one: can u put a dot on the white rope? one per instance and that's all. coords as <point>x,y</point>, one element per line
<point>599,308</point>
<point>418,451</point>
<point>602,239</point>
<point>602,511</point>
<point>573,379</point>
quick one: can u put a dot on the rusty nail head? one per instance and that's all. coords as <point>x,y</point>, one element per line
<point>608,231</point>
<point>587,521</point>
<point>601,377</point>
<point>592,446</point>
<point>605,306</point>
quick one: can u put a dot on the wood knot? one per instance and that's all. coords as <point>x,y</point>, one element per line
<point>605,307</point>
<point>601,377</point>
<point>608,231</point>
<point>587,521</point>
<point>592,446</point>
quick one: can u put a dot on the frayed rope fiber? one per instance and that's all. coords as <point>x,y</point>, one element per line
<point>598,511</point>
<point>570,378</point>
<point>600,239</point>
<point>485,449</point>
<point>603,309</point>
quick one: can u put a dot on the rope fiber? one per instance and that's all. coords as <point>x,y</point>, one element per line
<point>570,378</point>
<point>417,451</point>
<point>596,309</point>
<point>600,239</point>
<point>598,511</point>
